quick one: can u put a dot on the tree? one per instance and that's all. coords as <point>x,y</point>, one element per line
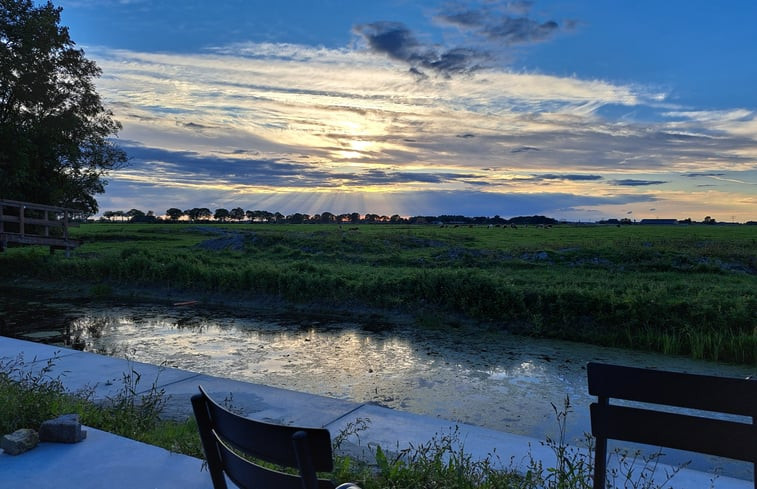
<point>327,218</point>
<point>54,129</point>
<point>198,213</point>
<point>174,214</point>
<point>221,214</point>
<point>192,213</point>
<point>297,218</point>
<point>236,213</point>
<point>132,213</point>
<point>203,214</point>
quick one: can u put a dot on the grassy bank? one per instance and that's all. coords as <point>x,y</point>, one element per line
<point>688,290</point>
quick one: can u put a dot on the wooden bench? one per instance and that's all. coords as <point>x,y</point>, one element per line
<point>726,438</point>
<point>26,223</point>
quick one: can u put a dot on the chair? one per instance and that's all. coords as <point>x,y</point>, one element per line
<point>730,439</point>
<point>226,436</point>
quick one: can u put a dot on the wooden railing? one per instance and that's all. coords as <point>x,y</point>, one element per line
<point>36,224</point>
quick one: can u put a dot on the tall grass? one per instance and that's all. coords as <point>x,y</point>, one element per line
<point>677,290</point>
<point>31,395</point>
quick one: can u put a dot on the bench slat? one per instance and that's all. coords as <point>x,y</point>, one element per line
<point>726,438</point>
<point>705,392</point>
<point>704,435</point>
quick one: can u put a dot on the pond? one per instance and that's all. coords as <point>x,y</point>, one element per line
<point>471,375</point>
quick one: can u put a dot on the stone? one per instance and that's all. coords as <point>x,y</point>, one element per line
<point>63,429</point>
<point>19,441</point>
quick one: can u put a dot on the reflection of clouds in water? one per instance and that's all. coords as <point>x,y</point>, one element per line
<point>490,379</point>
<point>527,372</point>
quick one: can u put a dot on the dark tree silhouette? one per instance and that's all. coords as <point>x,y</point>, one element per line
<point>174,214</point>
<point>198,213</point>
<point>203,213</point>
<point>134,213</point>
<point>236,213</point>
<point>54,129</point>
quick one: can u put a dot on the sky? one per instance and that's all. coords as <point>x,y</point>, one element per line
<point>574,109</point>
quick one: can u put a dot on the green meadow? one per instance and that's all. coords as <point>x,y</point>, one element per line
<point>680,290</point>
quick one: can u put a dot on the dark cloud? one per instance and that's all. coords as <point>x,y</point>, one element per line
<point>488,28</point>
<point>522,30</point>
<point>573,177</point>
<point>192,166</point>
<point>377,176</point>
<point>630,182</point>
<point>695,175</point>
<point>523,149</point>
<point>395,40</point>
<point>247,168</point>
<point>466,135</point>
<point>496,22</point>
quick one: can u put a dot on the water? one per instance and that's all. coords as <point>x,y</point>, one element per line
<point>477,376</point>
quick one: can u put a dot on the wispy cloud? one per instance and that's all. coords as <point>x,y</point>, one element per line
<point>247,120</point>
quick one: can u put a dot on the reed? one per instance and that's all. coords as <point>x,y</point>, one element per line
<point>678,289</point>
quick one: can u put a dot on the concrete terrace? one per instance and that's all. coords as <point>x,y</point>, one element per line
<point>106,460</point>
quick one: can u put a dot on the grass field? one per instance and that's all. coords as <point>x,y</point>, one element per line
<point>688,290</point>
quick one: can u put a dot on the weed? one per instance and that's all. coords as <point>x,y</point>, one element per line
<point>442,462</point>
<point>31,397</point>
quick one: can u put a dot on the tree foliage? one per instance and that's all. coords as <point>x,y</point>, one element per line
<point>174,213</point>
<point>54,129</point>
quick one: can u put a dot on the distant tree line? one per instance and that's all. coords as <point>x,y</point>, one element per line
<point>239,215</point>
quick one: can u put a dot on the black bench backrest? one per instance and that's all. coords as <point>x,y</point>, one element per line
<point>228,438</point>
<point>725,438</point>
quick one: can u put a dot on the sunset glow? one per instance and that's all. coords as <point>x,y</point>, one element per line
<point>408,109</point>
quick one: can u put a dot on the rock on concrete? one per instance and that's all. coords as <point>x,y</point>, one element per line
<point>63,429</point>
<point>19,441</point>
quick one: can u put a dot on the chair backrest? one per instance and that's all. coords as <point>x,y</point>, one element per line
<point>226,437</point>
<point>725,438</point>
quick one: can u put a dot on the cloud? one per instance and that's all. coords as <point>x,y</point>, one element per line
<point>239,170</point>
<point>395,40</point>
<point>576,178</point>
<point>494,22</point>
<point>250,120</point>
<point>488,30</point>
<point>630,182</point>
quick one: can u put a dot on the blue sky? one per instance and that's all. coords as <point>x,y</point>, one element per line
<point>578,110</point>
